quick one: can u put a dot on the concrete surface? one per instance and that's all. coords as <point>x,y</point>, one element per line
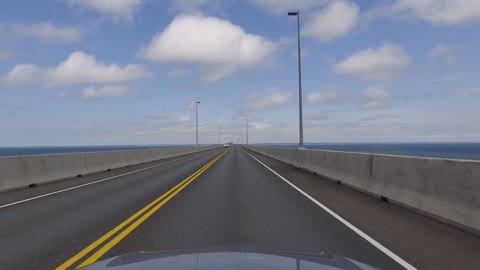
<point>23,171</point>
<point>448,190</point>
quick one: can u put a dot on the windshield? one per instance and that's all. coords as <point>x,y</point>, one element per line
<point>329,134</point>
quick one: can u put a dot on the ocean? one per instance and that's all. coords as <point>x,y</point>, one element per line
<point>43,150</point>
<point>470,151</point>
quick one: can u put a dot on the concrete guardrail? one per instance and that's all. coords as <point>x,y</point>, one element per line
<point>445,189</point>
<point>24,171</point>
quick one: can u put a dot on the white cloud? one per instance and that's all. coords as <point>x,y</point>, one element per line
<point>376,97</point>
<point>158,117</point>
<point>384,63</point>
<point>184,119</point>
<point>211,73</point>
<point>378,117</point>
<point>440,12</point>
<point>445,52</point>
<point>474,92</point>
<point>40,31</point>
<point>23,74</point>
<point>329,97</point>
<point>337,130</point>
<point>376,93</point>
<point>219,47</point>
<point>334,21</point>
<point>320,116</point>
<point>117,9</point>
<point>108,91</point>
<point>305,53</point>
<point>6,54</point>
<point>190,105</point>
<point>62,95</point>
<point>267,100</point>
<point>178,73</point>
<point>259,126</point>
<point>282,6</point>
<point>79,68</point>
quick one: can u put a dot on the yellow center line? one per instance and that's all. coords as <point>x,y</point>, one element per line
<point>108,235</point>
<point>139,221</point>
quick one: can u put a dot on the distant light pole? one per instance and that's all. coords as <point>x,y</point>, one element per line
<point>219,127</point>
<point>196,120</point>
<point>246,119</point>
<point>297,14</point>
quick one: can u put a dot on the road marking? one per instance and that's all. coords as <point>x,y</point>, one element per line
<point>87,184</point>
<point>124,233</point>
<point>159,202</point>
<point>372,241</point>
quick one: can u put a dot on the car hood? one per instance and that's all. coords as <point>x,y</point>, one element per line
<point>232,260</point>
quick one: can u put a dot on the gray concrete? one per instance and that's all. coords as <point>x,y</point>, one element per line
<point>448,190</point>
<point>22,171</point>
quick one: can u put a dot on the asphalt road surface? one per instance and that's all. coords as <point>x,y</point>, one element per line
<point>218,199</point>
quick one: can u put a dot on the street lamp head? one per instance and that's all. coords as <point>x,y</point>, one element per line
<point>293,13</point>
<point>198,102</point>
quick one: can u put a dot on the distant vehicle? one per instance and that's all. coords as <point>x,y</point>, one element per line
<point>226,145</point>
<point>183,260</point>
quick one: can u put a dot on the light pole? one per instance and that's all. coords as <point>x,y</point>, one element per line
<point>219,127</point>
<point>196,120</point>
<point>246,119</point>
<point>297,14</point>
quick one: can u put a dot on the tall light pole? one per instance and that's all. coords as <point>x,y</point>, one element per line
<point>246,119</point>
<point>219,127</point>
<point>297,14</point>
<point>196,120</point>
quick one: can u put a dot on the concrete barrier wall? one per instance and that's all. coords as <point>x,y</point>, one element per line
<point>446,189</point>
<point>23,171</point>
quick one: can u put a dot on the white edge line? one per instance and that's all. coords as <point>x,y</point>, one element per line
<point>87,184</point>
<point>372,241</point>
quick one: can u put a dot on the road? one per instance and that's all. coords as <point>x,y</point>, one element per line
<point>223,199</point>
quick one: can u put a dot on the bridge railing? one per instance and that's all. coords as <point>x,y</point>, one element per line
<point>23,171</point>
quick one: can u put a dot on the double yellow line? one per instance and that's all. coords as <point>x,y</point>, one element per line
<point>140,217</point>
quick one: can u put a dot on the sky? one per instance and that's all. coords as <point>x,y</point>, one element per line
<point>112,72</point>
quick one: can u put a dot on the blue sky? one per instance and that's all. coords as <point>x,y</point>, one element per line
<point>128,71</point>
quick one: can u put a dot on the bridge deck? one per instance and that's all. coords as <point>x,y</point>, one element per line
<point>234,201</point>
